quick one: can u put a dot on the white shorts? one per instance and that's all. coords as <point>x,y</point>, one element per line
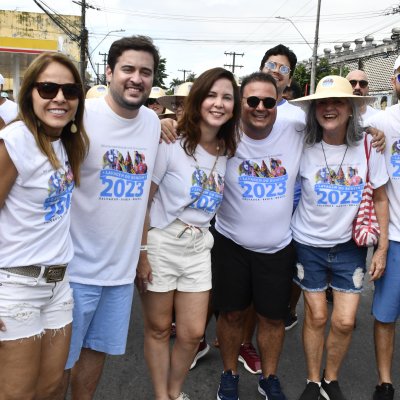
<point>180,263</point>
<point>29,305</point>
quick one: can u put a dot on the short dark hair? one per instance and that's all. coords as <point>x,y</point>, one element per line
<point>257,77</point>
<point>281,50</point>
<point>138,43</point>
<point>295,88</point>
<point>189,124</point>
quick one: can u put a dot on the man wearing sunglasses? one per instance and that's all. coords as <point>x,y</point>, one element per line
<point>359,82</point>
<point>108,211</point>
<point>252,257</point>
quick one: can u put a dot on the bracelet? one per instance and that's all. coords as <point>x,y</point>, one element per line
<point>143,247</point>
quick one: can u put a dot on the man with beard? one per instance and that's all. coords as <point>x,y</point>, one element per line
<point>108,212</point>
<point>359,82</point>
<point>386,302</point>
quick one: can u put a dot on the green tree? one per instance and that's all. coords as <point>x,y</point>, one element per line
<point>191,77</point>
<point>302,74</point>
<point>161,74</point>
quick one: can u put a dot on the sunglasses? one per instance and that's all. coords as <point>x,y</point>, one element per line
<point>151,102</point>
<point>254,101</point>
<point>176,104</point>
<point>363,84</point>
<point>398,78</point>
<point>49,90</point>
<point>283,69</point>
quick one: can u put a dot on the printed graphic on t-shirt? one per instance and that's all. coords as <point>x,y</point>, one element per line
<point>395,159</point>
<point>260,182</point>
<point>338,189</point>
<point>207,190</point>
<point>60,188</point>
<point>123,178</point>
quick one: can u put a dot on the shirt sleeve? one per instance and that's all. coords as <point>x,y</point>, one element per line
<point>162,161</point>
<point>378,174</point>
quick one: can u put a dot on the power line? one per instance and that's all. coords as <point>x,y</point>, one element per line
<point>233,65</point>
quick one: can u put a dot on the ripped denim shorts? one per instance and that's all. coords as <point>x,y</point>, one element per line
<point>342,267</point>
<point>29,305</point>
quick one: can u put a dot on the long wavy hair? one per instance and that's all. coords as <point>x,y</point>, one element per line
<point>314,132</point>
<point>189,124</point>
<point>76,144</point>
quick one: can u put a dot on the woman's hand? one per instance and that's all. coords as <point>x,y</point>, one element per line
<point>378,139</point>
<point>378,264</point>
<point>143,273</point>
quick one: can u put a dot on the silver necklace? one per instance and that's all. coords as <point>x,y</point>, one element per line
<point>332,173</point>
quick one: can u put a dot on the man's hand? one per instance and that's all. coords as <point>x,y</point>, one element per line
<point>378,139</point>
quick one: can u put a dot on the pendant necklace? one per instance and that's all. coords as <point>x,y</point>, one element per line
<point>332,173</point>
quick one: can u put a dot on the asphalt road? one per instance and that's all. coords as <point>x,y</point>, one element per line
<point>126,377</point>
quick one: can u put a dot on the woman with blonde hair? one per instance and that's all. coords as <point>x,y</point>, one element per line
<point>40,157</point>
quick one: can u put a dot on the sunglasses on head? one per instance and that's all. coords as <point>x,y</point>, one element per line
<point>282,69</point>
<point>254,101</point>
<point>362,83</point>
<point>49,90</point>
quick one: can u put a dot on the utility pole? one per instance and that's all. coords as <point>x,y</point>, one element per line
<point>184,73</point>
<point>314,56</point>
<point>233,65</point>
<point>83,41</point>
<point>104,64</point>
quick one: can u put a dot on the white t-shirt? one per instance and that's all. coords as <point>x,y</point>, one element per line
<point>291,112</point>
<point>109,208</point>
<point>389,122</point>
<point>369,112</point>
<point>1,79</point>
<point>328,206</point>
<point>8,111</point>
<point>35,218</point>
<point>259,184</point>
<point>181,180</point>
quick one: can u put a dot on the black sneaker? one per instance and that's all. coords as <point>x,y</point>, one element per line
<point>384,391</point>
<point>290,321</point>
<point>331,391</point>
<point>311,392</point>
<point>228,386</point>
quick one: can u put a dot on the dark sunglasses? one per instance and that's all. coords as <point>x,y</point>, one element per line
<point>363,84</point>
<point>49,90</point>
<point>398,78</point>
<point>150,102</point>
<point>254,101</point>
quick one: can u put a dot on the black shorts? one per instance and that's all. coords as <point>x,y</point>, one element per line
<point>241,277</point>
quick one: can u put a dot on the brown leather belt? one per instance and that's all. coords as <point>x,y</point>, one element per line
<point>52,273</point>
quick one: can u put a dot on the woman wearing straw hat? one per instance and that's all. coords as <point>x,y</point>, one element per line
<point>333,171</point>
<point>176,101</point>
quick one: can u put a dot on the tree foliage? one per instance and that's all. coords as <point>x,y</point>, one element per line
<point>302,74</point>
<point>161,74</point>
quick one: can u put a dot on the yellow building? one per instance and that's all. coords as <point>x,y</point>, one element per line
<point>24,35</point>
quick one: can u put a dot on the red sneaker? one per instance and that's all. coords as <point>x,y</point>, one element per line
<point>250,359</point>
<point>203,349</point>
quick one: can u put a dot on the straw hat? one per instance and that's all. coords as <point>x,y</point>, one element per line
<point>156,92</point>
<point>96,91</point>
<point>180,92</point>
<point>333,86</point>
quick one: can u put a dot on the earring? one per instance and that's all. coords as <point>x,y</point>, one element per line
<point>73,128</point>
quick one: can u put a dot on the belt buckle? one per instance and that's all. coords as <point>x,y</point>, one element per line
<point>55,273</point>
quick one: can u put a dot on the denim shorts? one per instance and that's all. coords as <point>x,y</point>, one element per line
<point>386,303</point>
<point>180,258</point>
<point>101,319</point>
<point>29,306</point>
<point>342,267</point>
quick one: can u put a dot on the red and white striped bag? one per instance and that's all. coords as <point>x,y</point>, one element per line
<point>365,226</point>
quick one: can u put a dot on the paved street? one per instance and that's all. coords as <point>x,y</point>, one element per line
<point>126,378</point>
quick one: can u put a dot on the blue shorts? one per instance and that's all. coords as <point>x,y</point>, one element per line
<point>342,267</point>
<point>386,303</point>
<point>100,319</point>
